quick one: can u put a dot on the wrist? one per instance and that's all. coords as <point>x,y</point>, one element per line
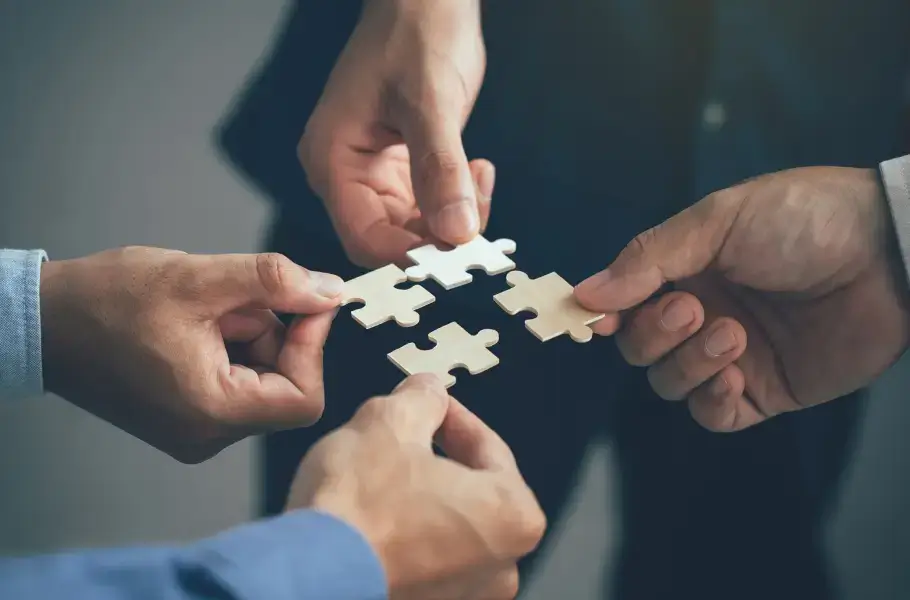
<point>421,10</point>
<point>52,289</point>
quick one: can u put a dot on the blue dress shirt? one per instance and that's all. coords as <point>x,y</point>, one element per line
<point>304,555</point>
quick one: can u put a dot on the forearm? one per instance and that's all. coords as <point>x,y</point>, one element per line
<point>300,556</point>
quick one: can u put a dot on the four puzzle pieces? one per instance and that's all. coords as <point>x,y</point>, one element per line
<point>455,347</point>
<point>382,300</point>
<point>551,298</point>
<point>449,268</point>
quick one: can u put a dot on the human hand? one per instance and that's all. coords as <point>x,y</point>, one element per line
<point>443,528</point>
<point>798,262</point>
<point>383,147</point>
<point>184,351</point>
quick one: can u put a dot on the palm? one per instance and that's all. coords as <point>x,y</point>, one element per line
<point>393,108</point>
<point>816,299</point>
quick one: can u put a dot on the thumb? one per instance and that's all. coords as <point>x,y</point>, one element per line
<point>442,180</point>
<point>413,412</point>
<point>683,246</point>
<point>272,281</point>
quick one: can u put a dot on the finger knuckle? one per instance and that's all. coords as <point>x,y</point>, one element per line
<point>506,586</point>
<point>440,164</point>
<point>526,519</point>
<point>511,586</point>
<point>314,169</point>
<point>641,242</point>
<point>194,454</point>
<point>714,418</point>
<point>315,398</point>
<point>663,378</point>
<point>272,271</point>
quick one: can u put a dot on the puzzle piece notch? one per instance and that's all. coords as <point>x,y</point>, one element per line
<point>454,348</point>
<point>550,298</point>
<point>449,268</point>
<point>382,300</point>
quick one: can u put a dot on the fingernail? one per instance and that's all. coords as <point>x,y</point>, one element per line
<point>719,387</point>
<point>720,342</point>
<point>326,284</point>
<point>676,315</point>
<point>456,222</point>
<point>486,181</point>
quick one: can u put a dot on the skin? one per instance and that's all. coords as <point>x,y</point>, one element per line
<point>383,146</point>
<point>185,352</point>
<point>444,528</point>
<point>787,294</point>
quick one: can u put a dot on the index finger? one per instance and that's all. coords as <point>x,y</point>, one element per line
<point>363,223</point>
<point>468,440</point>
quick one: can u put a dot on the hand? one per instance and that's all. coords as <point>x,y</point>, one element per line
<point>799,262</point>
<point>443,528</point>
<point>383,147</point>
<point>184,351</point>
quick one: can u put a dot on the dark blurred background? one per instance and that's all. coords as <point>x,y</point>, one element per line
<point>107,114</point>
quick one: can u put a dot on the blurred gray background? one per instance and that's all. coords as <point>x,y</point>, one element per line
<point>106,114</point>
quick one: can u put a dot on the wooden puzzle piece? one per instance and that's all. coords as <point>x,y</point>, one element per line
<point>382,300</point>
<point>455,347</point>
<point>449,268</point>
<point>550,298</point>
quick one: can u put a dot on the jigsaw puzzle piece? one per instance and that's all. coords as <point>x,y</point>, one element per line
<point>382,300</point>
<point>449,268</point>
<point>550,297</point>
<point>454,348</point>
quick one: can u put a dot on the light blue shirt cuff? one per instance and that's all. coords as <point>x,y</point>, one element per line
<point>20,323</point>
<point>303,554</point>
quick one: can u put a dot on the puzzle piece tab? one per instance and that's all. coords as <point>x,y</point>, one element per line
<point>455,347</point>
<point>449,268</point>
<point>550,298</point>
<point>382,300</point>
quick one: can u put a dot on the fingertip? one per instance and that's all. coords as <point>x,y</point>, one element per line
<point>727,337</point>
<point>310,330</point>
<point>608,325</point>
<point>457,222</point>
<point>714,405</point>
<point>326,285</point>
<point>484,173</point>
<point>422,382</point>
<point>680,311</point>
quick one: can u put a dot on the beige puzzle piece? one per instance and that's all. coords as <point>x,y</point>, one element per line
<point>449,268</point>
<point>382,300</point>
<point>455,347</point>
<point>550,298</point>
